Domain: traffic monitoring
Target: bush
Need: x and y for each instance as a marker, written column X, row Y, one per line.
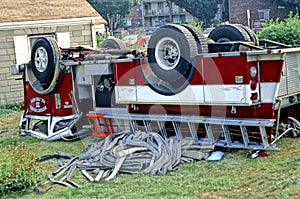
column 198, row 25
column 100, row 39
column 18, row 169
column 286, row 31
column 12, row 106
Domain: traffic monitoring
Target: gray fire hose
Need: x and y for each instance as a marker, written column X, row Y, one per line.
column 125, row 152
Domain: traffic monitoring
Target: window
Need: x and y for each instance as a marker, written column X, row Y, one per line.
column 264, row 14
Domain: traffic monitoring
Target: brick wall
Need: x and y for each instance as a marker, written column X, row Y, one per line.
column 11, row 90
column 238, row 10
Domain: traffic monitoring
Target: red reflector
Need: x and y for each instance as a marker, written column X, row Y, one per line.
column 254, row 96
column 22, row 108
column 253, row 84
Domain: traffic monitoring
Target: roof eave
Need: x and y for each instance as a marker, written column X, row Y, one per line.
column 54, row 22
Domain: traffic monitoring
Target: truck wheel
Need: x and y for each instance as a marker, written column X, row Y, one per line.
column 227, row 33
column 44, row 65
column 250, row 33
column 199, row 38
column 113, row 43
column 43, row 59
column 170, row 51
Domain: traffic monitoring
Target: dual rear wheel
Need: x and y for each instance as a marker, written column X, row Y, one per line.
column 233, row 32
column 171, row 55
column 173, row 48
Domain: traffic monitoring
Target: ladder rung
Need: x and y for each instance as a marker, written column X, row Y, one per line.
column 133, row 125
column 245, row 136
column 209, row 133
column 227, row 135
column 162, row 128
column 264, row 136
column 147, row 125
column 177, row 130
column 193, row 131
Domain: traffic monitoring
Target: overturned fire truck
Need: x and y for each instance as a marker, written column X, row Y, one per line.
column 228, row 90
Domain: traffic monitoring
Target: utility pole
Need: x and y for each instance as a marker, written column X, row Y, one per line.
column 248, row 17
column 143, row 13
column 170, row 12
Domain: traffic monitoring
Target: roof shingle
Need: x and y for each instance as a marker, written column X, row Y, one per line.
column 36, row 10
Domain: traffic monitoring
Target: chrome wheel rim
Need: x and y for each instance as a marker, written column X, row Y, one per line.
column 167, row 53
column 41, row 59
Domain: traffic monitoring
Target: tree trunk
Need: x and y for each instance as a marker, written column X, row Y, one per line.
column 170, row 12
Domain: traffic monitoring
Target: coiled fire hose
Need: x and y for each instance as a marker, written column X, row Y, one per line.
column 124, row 152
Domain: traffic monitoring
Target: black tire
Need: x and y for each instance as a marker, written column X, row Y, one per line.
column 44, row 68
column 251, row 33
column 199, row 37
column 170, row 51
column 43, row 65
column 113, row 43
column 227, row 33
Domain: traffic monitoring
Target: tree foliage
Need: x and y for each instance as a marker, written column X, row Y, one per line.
column 286, row 31
column 295, row 3
column 113, row 11
column 204, row 10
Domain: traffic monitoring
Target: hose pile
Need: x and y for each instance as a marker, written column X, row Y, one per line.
column 127, row 153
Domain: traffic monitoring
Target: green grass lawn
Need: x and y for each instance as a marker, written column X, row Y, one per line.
column 235, row 176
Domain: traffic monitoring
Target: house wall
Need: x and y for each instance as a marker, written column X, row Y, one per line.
column 238, row 10
column 156, row 13
column 11, row 90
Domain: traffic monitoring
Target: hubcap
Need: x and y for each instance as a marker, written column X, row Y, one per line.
column 167, row 53
column 41, row 59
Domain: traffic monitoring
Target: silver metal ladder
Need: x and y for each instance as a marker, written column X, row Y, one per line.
column 217, row 130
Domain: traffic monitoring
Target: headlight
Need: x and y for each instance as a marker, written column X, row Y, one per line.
column 253, row 71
